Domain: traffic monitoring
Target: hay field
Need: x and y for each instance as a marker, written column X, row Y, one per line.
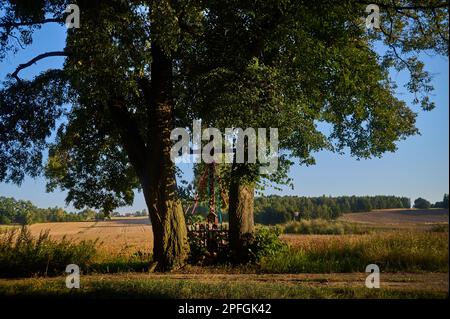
column 118, row 236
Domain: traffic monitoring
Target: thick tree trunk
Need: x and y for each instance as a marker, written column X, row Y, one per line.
column 150, row 156
column 171, row 246
column 241, row 196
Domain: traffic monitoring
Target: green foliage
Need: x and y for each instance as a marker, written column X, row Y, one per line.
column 422, row 203
column 266, row 242
column 198, row 251
column 21, row 255
column 443, row 204
column 266, row 63
column 22, row 212
column 275, row 209
column 323, row 227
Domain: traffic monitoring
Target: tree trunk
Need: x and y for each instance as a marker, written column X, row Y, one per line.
column 171, row 247
column 242, row 226
column 150, row 156
column 170, row 244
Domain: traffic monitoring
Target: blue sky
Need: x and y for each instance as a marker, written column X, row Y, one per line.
column 418, row 168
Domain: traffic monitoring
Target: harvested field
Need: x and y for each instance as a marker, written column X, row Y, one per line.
column 119, row 235
column 399, row 218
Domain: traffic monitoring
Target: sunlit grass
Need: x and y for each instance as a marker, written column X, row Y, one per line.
column 142, row 287
column 391, row 251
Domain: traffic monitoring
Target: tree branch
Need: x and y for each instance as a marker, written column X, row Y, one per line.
column 132, row 141
column 34, row 60
column 28, row 23
column 411, row 7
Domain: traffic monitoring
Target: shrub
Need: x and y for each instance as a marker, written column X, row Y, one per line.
column 266, row 242
column 22, row 255
column 422, row 203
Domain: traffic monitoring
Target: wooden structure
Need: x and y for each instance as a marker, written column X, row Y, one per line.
column 211, row 234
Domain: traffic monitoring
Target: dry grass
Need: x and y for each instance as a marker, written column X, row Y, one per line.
column 125, row 236
column 120, row 236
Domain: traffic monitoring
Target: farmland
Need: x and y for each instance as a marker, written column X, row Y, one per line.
column 403, row 218
column 119, row 235
column 411, row 252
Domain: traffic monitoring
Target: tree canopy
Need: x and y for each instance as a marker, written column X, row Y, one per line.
column 136, row 69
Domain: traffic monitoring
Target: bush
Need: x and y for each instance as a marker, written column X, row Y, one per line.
column 266, row 242
column 422, row 203
column 21, row 255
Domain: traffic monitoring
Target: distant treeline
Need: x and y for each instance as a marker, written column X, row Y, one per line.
column 23, row 212
column 275, row 209
column 443, row 204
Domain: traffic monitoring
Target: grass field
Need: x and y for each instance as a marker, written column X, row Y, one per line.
column 412, row 254
column 184, row 286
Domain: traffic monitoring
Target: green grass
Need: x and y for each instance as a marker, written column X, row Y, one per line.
column 122, row 287
column 324, row 227
column 398, row 251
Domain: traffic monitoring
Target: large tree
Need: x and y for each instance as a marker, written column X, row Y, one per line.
column 294, row 64
column 137, row 68
column 115, row 137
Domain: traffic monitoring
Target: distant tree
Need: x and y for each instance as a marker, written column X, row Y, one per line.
column 442, row 204
column 406, row 202
column 88, row 214
column 422, row 203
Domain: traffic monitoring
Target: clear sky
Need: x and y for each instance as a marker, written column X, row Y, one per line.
column 418, row 168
